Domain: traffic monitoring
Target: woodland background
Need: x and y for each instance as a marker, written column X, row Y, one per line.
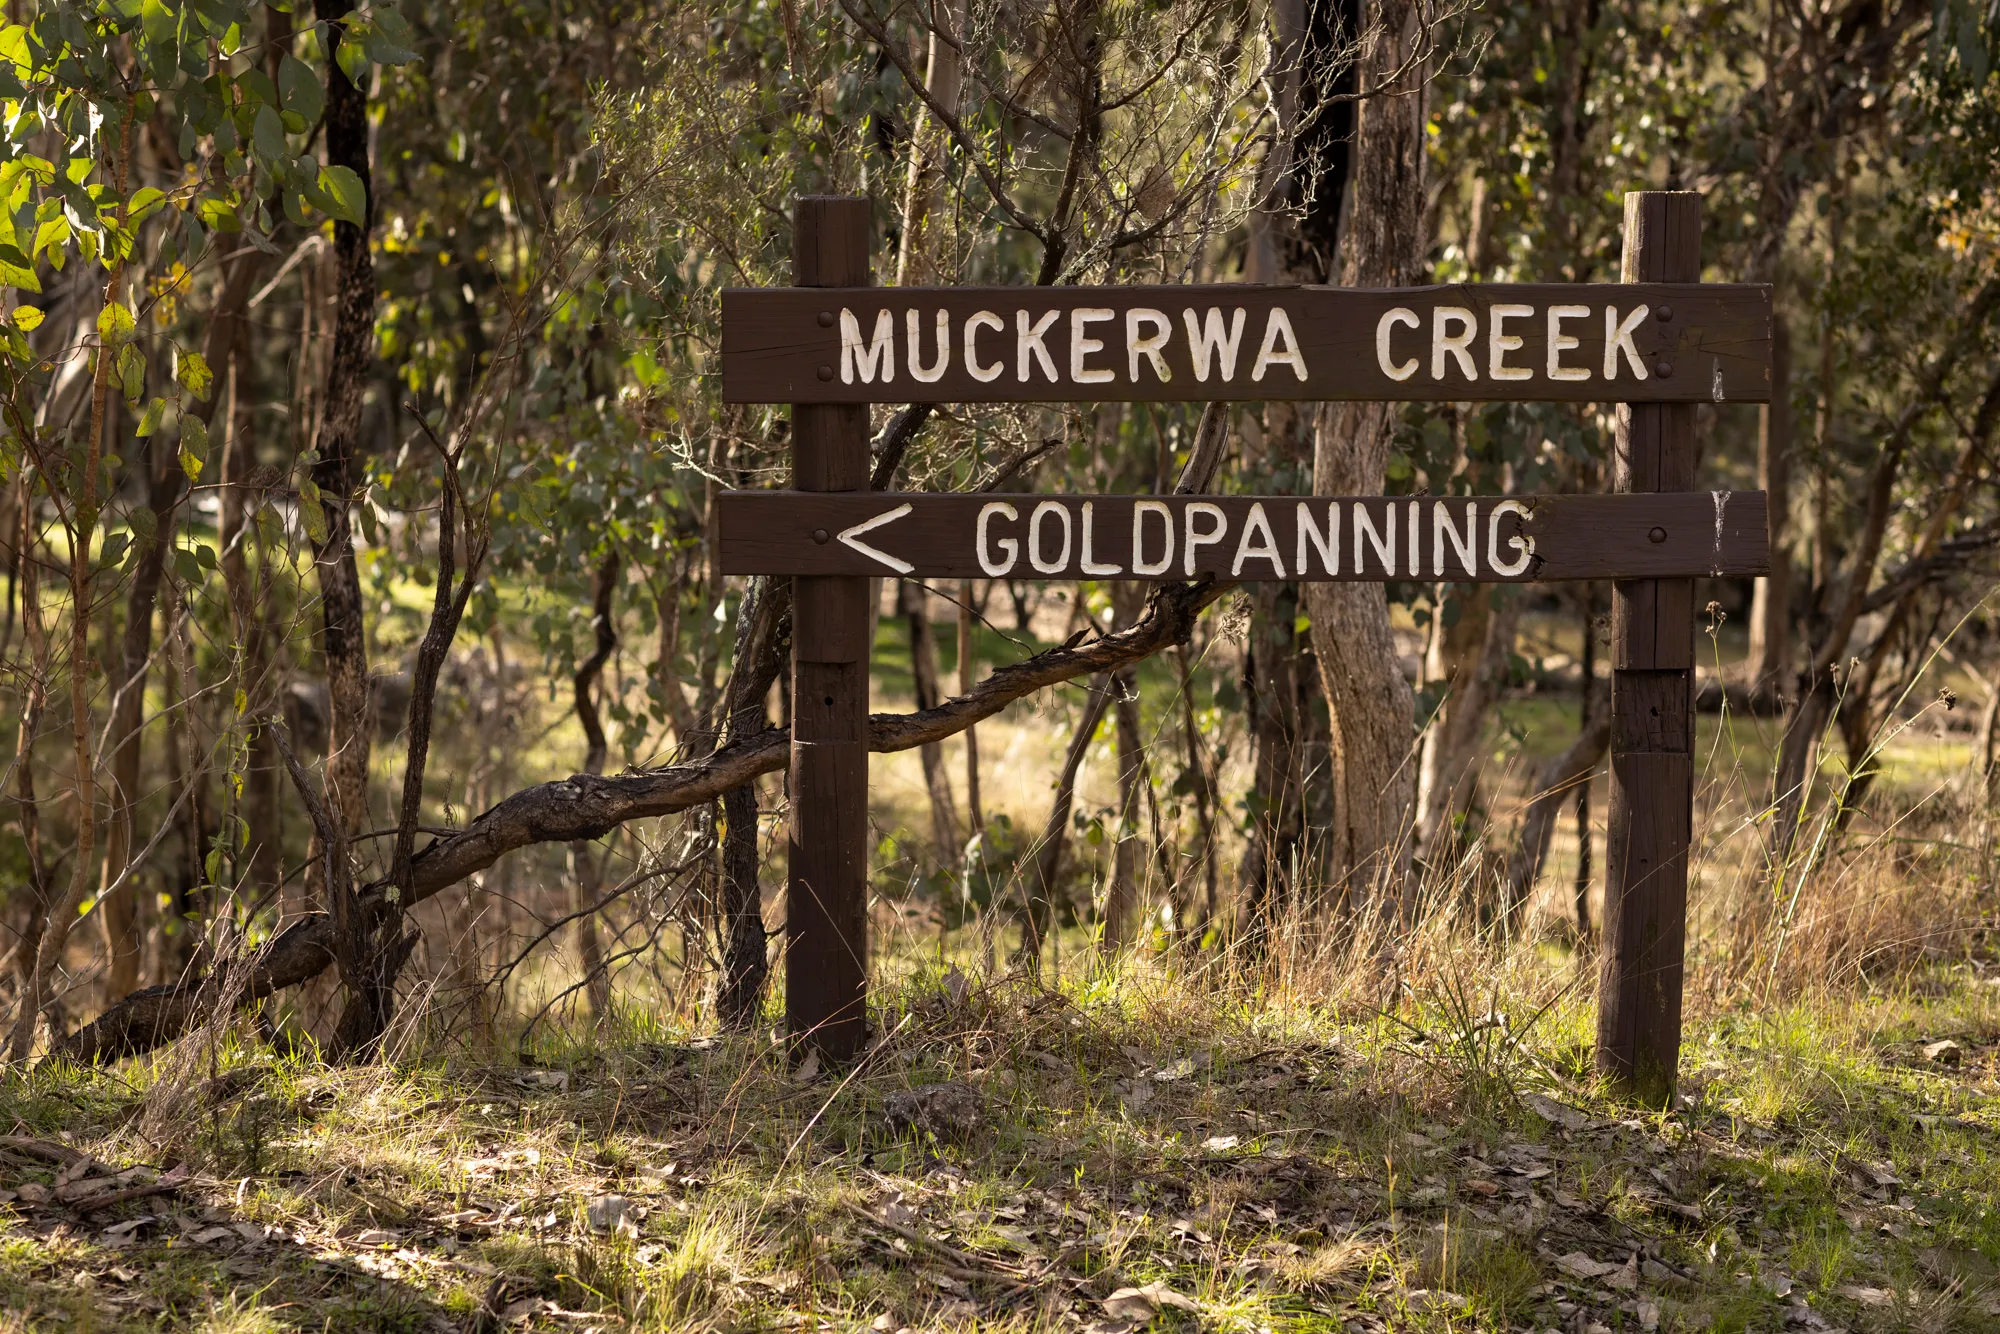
column 363, row 649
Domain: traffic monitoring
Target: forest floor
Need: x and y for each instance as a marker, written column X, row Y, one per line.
column 1114, row 1154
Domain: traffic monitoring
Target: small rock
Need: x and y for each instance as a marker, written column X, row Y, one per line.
column 1943, row 1052
column 611, row 1213
column 1220, row 1143
column 950, row 1112
column 1867, row 1296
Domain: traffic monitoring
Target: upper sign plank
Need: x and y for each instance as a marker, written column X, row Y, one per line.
column 1638, row 342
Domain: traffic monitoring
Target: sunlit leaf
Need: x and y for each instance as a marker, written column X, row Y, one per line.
column 194, row 446
column 27, row 318
column 343, row 195
column 114, row 323
column 311, row 512
column 191, row 369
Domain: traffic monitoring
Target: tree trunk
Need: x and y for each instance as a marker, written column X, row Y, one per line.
column 586, row 870
column 1770, row 605
column 945, row 841
column 1042, row 880
column 1470, row 659
column 967, row 668
column 1372, row 705
column 1538, row 824
column 762, row 628
column 1197, row 771
column 1121, row 897
column 1586, row 706
column 53, row 930
column 916, row 261
column 35, row 694
column 1271, row 692
column 344, row 638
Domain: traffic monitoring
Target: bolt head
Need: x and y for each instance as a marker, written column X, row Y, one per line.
column 1663, row 368
column 826, row 319
column 821, row 536
column 826, row 372
column 1657, row 536
column 1663, row 313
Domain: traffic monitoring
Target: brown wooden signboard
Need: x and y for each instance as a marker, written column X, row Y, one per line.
column 1641, row 342
column 1500, row 539
column 1657, row 343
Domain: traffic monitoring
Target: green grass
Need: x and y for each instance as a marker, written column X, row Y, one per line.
column 1266, row 1166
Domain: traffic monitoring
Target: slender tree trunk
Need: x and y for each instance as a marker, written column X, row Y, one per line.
column 1372, row 704
column 924, row 677
column 1043, row 879
column 967, row 678
column 1770, row 605
column 1121, row 897
column 35, row 694
column 1271, row 689
column 1567, row 770
column 1197, row 769
column 228, row 350
column 916, row 260
column 762, row 627
column 120, row 907
column 586, row 870
column 1586, row 705
column 1471, row 660
column 83, row 515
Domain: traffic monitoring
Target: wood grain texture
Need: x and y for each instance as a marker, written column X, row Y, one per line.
column 1652, row 702
column 826, row 920
column 1651, row 824
column 1483, row 341
column 1255, row 537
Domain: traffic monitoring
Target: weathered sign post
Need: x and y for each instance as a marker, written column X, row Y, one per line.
column 1656, row 344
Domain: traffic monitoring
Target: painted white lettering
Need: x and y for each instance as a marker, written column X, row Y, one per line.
column 1061, row 562
column 1328, row 542
column 1140, row 565
column 1149, row 346
column 1206, row 339
column 1618, row 337
column 1458, row 345
column 1524, row 545
column 1467, row 545
column 1397, row 371
column 1267, row 549
column 1081, row 345
column 1007, row 544
column 1278, row 328
column 985, row 319
column 1560, row 342
column 1385, row 547
column 921, row 373
column 867, row 358
column 1414, row 545
column 1028, row 340
column 1194, row 540
column 1499, row 343
column 1091, row 565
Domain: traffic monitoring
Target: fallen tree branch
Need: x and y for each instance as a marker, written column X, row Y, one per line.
column 586, row 806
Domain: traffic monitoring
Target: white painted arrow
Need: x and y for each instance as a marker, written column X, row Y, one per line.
column 851, row 537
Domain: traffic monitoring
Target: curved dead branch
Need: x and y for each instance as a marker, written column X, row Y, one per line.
column 586, row 806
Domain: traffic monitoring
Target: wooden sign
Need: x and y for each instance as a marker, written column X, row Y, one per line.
column 1488, row 539
column 1660, row 341
column 1638, row 342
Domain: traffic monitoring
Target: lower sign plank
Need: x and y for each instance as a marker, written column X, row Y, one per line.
column 1498, row 539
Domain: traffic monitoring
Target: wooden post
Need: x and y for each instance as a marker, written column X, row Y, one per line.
column 1652, row 703
column 826, row 904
